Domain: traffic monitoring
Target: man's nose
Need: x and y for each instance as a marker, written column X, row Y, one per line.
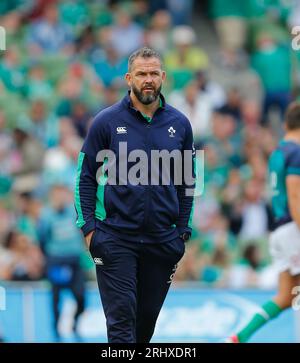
column 149, row 78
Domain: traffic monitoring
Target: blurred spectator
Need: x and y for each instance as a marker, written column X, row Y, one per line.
column 74, row 13
column 158, row 35
column 250, row 113
column 43, row 126
column 230, row 22
column 207, row 207
column 185, row 58
column 196, row 106
column 104, row 36
column 233, row 104
column 270, row 17
column 111, row 68
column 70, row 90
column 224, row 138
column 277, row 85
column 9, row 5
column 214, row 271
column 181, row 11
column 231, row 70
column 245, row 272
column 233, row 190
column 27, row 160
column 140, row 11
column 20, row 259
column 62, row 244
column 27, row 209
column 218, row 236
column 86, row 45
column 268, row 140
column 255, row 214
column 81, row 118
column 216, row 167
column 80, row 83
column 188, row 269
column 110, row 96
column 38, row 8
column 276, row 10
column 37, row 86
column 126, row 36
column 211, row 89
column 12, row 72
column 84, row 72
column 60, row 161
column 156, row 5
column 258, row 167
column 217, row 251
column 49, row 34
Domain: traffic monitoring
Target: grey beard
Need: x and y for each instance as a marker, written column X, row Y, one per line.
column 146, row 99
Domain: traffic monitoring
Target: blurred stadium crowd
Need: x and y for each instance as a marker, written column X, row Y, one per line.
column 230, row 68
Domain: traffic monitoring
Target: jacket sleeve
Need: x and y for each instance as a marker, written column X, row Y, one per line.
column 185, row 191
column 86, row 181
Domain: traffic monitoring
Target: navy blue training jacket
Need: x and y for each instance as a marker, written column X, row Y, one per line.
column 142, row 213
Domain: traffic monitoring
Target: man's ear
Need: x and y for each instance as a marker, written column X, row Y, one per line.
column 128, row 79
column 163, row 76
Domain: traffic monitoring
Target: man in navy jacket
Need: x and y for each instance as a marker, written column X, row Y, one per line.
column 134, row 199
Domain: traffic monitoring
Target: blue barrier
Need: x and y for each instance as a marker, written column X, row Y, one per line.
column 188, row 315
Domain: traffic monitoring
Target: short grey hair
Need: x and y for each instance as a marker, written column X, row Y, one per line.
column 144, row 52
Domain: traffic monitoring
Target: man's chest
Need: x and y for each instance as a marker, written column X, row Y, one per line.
column 154, row 136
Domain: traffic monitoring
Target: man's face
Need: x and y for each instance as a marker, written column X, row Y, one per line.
column 145, row 79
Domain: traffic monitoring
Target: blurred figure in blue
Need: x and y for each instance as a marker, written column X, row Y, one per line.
column 181, row 11
column 63, row 246
column 49, row 34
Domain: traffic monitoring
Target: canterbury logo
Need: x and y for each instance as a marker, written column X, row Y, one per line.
column 121, row 130
column 98, row 261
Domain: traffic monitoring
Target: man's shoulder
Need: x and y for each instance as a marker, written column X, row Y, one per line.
column 107, row 112
column 292, row 154
column 106, row 115
column 286, row 154
column 288, row 148
column 174, row 112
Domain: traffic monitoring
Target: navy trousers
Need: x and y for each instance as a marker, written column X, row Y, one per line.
column 133, row 280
